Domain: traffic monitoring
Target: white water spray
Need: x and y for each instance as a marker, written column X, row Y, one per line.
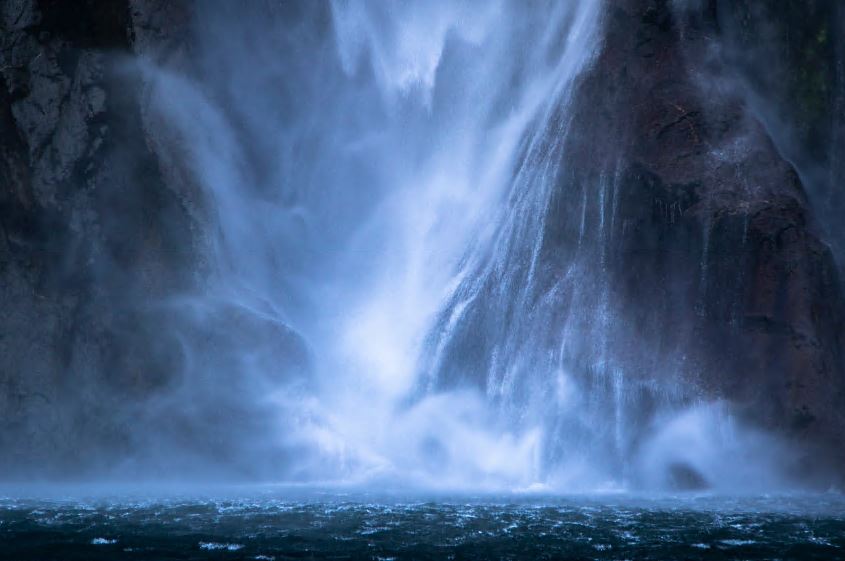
column 376, row 177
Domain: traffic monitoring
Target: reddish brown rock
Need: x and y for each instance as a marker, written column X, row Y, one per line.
column 723, row 277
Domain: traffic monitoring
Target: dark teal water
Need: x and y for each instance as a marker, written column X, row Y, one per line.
column 278, row 525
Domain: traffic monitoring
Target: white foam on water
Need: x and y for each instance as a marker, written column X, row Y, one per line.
column 212, row 546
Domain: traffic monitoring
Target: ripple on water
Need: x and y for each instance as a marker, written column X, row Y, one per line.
column 211, row 546
column 737, row 543
column 276, row 529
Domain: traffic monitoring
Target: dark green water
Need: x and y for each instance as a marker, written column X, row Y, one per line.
column 278, row 525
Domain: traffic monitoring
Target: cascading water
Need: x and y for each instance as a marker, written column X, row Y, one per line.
column 378, row 185
column 468, row 209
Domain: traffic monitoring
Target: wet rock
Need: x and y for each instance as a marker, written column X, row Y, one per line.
column 684, row 477
column 720, row 276
column 98, row 235
column 88, row 229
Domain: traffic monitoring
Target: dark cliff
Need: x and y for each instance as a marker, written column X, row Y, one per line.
column 89, row 228
column 717, row 257
column 790, row 59
column 99, row 229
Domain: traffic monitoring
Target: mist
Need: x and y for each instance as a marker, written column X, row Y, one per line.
column 351, row 176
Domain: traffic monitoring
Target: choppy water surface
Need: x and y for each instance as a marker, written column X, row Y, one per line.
column 280, row 525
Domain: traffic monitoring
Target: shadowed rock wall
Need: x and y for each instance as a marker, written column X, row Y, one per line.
column 89, row 229
column 715, row 258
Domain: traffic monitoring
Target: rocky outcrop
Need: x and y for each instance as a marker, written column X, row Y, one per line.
column 89, row 230
column 101, row 232
column 718, row 269
column 790, row 58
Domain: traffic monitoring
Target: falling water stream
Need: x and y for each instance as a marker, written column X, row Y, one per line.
column 376, row 186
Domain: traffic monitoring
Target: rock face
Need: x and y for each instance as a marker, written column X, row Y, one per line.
column 680, row 261
column 97, row 223
column 790, row 57
column 715, row 260
column 89, row 227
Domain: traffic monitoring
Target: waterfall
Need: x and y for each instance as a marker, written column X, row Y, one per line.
column 488, row 94
column 406, row 279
